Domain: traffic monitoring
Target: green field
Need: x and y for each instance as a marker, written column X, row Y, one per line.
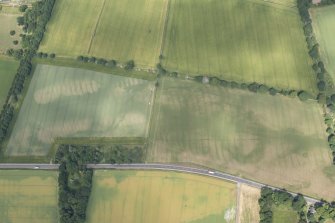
column 282, row 214
column 28, row 196
column 8, row 23
column 324, row 26
column 7, row 72
column 67, row 102
column 275, row 140
column 239, row 40
column 164, row 197
column 113, row 29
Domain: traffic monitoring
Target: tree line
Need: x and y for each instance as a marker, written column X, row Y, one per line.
column 129, row 65
column 75, row 180
column 325, row 83
column 33, row 23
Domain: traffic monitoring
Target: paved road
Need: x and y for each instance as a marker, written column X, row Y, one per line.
column 29, row 166
column 178, row 168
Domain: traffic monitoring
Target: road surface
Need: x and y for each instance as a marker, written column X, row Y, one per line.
column 184, row 169
column 29, row 166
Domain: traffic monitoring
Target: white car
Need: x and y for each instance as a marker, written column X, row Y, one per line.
column 36, row 167
column 210, row 172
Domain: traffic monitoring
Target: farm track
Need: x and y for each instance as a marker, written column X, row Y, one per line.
column 96, row 27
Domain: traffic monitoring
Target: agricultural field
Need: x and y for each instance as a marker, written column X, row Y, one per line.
column 28, row 196
column 7, row 72
column 68, row 102
column 283, row 214
column 111, row 29
column 271, row 139
column 249, row 207
column 8, row 23
column 324, row 27
column 156, row 196
column 239, row 40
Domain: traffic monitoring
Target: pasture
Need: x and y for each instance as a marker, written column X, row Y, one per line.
column 69, row 102
column 111, row 29
column 275, row 140
column 324, row 27
column 239, row 40
column 249, row 207
column 157, row 196
column 28, row 196
column 7, row 73
column 8, row 23
column 282, row 214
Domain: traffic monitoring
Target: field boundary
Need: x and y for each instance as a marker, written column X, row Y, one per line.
column 96, row 27
column 166, row 20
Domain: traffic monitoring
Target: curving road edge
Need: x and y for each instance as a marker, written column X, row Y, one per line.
column 192, row 170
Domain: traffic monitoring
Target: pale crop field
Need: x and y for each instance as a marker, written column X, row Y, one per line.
column 324, row 27
column 157, row 196
column 28, row 196
column 249, row 207
column 8, row 69
column 274, row 140
column 69, row 102
column 239, row 40
column 111, row 29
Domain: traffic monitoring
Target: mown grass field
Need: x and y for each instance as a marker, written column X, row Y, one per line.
column 154, row 196
column 249, row 207
column 113, row 29
column 283, row 214
column 68, row 102
column 28, row 196
column 7, row 73
column 324, row 26
column 239, row 40
column 8, row 23
column 275, row 140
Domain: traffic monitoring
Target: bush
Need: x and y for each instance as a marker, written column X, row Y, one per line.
column 23, row 8
column 52, row 55
column 304, row 96
column 92, row 59
column 321, row 86
column 12, row 32
column 80, row 58
column 273, row 91
column 111, row 63
column 15, row 42
column 129, row 65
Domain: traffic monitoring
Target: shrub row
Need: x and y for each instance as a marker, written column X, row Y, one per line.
column 129, row 65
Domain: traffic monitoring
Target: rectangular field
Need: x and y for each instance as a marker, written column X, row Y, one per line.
column 8, row 23
column 324, row 26
column 68, row 102
column 156, row 196
column 114, row 29
column 28, row 196
column 249, row 207
column 239, row 40
column 275, row 140
column 8, row 69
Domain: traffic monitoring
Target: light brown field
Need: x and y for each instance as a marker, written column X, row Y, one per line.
column 156, row 196
column 28, row 196
column 249, row 208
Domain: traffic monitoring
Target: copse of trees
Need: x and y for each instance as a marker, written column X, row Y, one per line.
column 271, row 198
column 124, row 154
column 75, row 181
